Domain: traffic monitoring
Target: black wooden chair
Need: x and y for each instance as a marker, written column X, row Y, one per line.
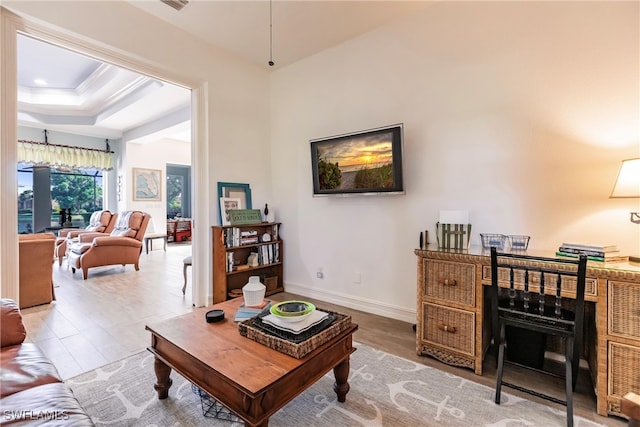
column 533, row 301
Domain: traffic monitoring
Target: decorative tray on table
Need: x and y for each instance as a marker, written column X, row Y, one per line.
column 294, row 344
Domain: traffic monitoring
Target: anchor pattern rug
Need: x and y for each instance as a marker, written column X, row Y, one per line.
column 386, row 390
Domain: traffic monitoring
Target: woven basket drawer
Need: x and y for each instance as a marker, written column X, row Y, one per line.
column 568, row 283
column 624, row 375
column 449, row 327
column 624, row 309
column 450, row 281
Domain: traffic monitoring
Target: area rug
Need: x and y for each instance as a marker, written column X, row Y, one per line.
column 386, row 390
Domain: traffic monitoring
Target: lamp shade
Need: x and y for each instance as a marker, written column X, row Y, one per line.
column 628, row 181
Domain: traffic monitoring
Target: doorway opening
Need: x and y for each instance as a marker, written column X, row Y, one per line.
column 16, row 26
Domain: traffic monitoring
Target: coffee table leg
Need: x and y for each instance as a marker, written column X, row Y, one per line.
column 341, row 386
column 164, row 381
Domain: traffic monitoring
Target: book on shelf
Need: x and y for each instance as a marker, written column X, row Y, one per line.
column 229, row 262
column 248, row 240
column 234, row 237
column 591, row 247
column 603, row 260
column 244, row 313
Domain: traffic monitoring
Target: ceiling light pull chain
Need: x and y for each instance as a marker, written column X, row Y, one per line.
column 271, row 63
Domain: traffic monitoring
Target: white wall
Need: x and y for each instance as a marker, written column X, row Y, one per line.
column 520, row 112
column 153, row 155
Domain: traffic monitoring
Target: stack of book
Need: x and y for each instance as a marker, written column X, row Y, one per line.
column 594, row 252
column 248, row 237
column 245, row 312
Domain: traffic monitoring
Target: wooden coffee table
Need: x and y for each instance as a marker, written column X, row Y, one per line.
column 250, row 379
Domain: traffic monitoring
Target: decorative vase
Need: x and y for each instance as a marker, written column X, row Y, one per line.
column 266, row 213
column 253, row 292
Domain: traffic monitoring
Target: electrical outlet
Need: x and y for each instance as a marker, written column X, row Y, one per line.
column 319, row 273
column 357, row 277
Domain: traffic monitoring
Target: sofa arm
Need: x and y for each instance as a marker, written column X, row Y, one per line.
column 72, row 234
column 12, row 331
column 88, row 236
column 69, row 232
column 117, row 241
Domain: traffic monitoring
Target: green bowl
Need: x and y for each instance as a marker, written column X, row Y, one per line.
column 292, row 308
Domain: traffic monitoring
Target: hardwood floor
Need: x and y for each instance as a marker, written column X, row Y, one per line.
column 101, row 320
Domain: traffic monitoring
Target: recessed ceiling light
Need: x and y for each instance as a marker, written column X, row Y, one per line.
column 40, row 82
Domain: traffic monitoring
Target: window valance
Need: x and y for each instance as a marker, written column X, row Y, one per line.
column 56, row 155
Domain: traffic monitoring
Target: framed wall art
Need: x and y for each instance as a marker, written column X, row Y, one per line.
column 147, row 184
column 234, row 190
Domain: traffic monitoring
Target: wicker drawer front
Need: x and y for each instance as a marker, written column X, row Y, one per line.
column 624, row 309
column 450, row 281
column 449, row 327
column 568, row 283
column 624, row 375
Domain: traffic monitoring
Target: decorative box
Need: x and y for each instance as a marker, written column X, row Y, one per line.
column 453, row 236
column 299, row 345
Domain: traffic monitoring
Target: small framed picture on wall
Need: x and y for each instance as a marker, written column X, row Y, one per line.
column 147, row 184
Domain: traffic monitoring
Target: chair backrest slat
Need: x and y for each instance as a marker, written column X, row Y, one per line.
column 541, row 296
column 558, row 305
column 512, row 290
column 526, row 290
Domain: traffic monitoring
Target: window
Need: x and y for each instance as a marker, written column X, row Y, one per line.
column 79, row 190
column 25, row 198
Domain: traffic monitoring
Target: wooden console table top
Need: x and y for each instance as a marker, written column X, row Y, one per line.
column 248, row 378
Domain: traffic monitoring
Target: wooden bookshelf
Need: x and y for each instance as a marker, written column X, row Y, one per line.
column 232, row 246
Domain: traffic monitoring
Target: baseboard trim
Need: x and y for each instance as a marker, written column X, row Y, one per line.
column 356, row 303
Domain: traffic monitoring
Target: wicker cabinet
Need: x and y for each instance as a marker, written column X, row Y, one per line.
column 232, row 246
column 623, row 346
column 448, row 307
